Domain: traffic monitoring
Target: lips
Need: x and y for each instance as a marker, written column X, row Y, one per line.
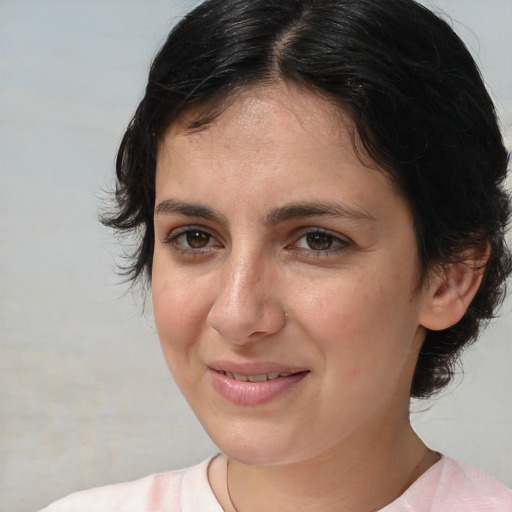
column 254, row 384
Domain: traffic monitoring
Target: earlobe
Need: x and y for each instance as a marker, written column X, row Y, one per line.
column 449, row 293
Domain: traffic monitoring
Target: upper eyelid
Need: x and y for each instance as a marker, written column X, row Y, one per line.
column 316, row 229
column 176, row 231
column 173, row 234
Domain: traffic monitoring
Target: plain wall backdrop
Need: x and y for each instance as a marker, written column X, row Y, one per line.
column 86, row 398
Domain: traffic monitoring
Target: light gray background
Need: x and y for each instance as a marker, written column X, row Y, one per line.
column 86, row 398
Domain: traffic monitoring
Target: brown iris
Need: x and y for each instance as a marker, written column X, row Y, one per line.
column 319, row 241
column 197, row 239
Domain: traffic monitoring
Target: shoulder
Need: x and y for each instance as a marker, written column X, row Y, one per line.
column 468, row 488
column 450, row 486
column 172, row 491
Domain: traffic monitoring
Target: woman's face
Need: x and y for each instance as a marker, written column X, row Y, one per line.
column 283, row 280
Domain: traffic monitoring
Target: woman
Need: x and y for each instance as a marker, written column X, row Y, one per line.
column 318, row 190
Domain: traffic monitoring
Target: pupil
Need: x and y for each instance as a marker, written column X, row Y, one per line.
column 319, row 241
column 197, row 239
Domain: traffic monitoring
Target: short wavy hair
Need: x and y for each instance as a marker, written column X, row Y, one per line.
column 414, row 93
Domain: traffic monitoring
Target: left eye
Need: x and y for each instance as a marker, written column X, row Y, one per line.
column 319, row 241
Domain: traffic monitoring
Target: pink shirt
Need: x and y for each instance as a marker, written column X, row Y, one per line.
column 448, row 486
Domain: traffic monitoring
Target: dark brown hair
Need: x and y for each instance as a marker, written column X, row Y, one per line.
column 414, row 93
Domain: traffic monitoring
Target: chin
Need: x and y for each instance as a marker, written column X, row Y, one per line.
column 261, row 451
column 254, row 449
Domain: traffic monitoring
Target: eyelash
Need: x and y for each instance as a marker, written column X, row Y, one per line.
column 172, row 240
column 341, row 244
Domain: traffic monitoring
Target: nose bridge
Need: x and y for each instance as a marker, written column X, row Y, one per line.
column 245, row 307
column 245, row 276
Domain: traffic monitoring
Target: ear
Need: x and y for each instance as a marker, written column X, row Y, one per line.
column 449, row 293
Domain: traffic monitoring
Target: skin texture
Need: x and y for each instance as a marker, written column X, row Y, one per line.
column 254, row 290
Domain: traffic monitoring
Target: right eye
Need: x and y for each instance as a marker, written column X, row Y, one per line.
column 190, row 239
column 194, row 239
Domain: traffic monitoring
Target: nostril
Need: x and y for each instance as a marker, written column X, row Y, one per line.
column 249, row 326
column 244, row 309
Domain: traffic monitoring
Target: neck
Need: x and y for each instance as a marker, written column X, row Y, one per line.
column 339, row 480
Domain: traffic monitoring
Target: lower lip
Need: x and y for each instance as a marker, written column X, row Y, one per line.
column 253, row 393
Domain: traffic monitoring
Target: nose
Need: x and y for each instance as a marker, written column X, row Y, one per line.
column 246, row 308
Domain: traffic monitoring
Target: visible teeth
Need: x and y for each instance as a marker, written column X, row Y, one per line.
column 258, row 378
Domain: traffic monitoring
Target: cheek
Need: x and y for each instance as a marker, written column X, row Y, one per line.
column 364, row 335
column 180, row 304
column 360, row 323
column 341, row 305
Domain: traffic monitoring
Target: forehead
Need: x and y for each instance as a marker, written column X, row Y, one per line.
column 299, row 114
column 280, row 134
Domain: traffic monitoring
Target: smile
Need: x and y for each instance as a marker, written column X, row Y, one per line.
column 256, row 378
column 246, row 388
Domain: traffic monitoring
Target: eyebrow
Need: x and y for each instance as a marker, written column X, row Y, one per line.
column 316, row 209
column 171, row 206
column 275, row 216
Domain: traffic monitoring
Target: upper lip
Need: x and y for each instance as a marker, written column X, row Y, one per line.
column 254, row 368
